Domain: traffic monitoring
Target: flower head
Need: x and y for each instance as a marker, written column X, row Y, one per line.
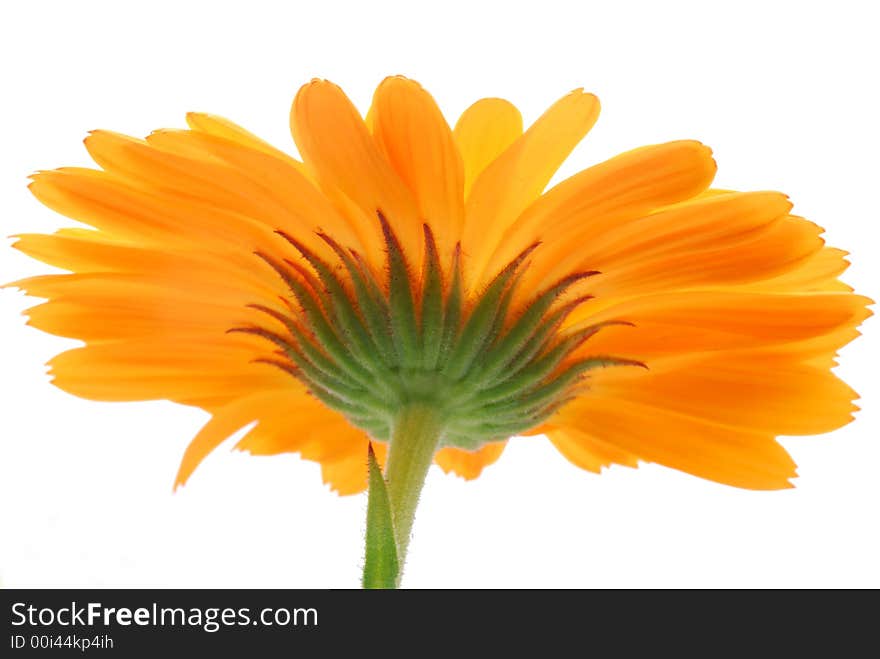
column 630, row 313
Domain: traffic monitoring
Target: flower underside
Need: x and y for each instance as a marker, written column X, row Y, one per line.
column 370, row 349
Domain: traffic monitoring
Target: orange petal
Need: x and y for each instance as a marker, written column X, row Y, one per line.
column 516, row 178
column 685, row 228
column 236, row 415
column 585, row 206
column 414, row 136
column 818, row 272
column 779, row 247
column 336, row 146
column 137, row 161
column 91, row 252
column 114, row 312
column 162, row 367
column 211, row 124
column 724, row 454
column 348, row 475
column 698, row 321
column 95, row 285
column 468, row 464
column 280, row 178
column 482, row 134
column 127, row 213
column 179, row 181
column 586, row 451
column 754, row 391
column 317, row 434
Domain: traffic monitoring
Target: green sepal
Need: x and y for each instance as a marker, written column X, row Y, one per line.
column 477, row 327
column 487, row 347
column 376, row 293
column 323, row 331
column 452, row 310
column 432, row 304
column 540, row 340
column 350, row 322
column 303, row 344
column 353, row 399
column 518, row 335
column 548, row 391
column 535, row 396
column 370, row 301
column 520, row 382
column 381, row 565
column 404, row 326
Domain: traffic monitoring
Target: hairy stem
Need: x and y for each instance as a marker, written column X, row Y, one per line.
column 414, row 439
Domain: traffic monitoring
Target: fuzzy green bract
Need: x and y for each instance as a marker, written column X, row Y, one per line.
column 381, row 563
column 370, row 348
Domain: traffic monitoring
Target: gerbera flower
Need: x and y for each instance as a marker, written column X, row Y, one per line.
column 417, row 287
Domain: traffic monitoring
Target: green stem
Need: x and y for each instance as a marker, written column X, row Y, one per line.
column 414, row 440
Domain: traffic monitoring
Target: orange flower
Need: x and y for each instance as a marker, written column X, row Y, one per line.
column 630, row 313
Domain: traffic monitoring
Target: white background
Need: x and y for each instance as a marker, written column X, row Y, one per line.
column 785, row 93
